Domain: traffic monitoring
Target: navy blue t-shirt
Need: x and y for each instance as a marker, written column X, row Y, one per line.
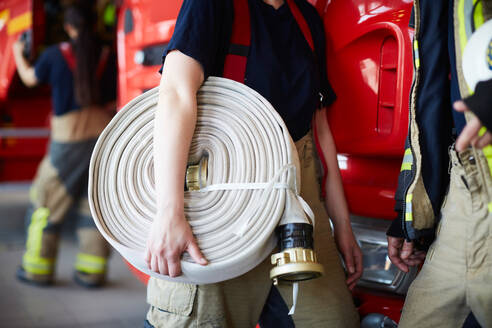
column 281, row 65
column 52, row 68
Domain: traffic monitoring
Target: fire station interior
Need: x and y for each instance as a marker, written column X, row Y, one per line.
column 139, row 33
column 24, row 128
column 369, row 64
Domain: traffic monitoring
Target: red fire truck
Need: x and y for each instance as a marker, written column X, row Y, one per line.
column 23, row 112
column 369, row 62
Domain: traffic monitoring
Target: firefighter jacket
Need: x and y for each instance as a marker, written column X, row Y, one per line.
column 442, row 29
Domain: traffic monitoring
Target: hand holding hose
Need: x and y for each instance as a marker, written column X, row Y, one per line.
column 169, row 237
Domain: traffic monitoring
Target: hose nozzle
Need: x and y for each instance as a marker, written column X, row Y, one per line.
column 296, row 260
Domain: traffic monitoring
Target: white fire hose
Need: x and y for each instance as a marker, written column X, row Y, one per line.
column 251, row 185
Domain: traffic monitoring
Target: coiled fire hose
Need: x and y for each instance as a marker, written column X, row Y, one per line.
column 242, row 181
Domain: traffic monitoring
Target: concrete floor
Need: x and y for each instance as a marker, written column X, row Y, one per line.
column 121, row 303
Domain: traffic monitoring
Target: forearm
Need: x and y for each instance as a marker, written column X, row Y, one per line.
column 26, row 72
column 174, row 125
column 335, row 202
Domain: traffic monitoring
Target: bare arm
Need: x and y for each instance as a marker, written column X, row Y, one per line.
column 174, row 125
column 26, row 72
column 336, row 205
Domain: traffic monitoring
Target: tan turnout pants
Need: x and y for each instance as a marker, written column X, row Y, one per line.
column 322, row 302
column 60, row 185
column 456, row 277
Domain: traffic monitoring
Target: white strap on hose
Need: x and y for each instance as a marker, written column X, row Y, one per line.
column 295, row 292
column 250, row 156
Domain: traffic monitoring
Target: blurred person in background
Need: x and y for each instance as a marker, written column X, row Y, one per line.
column 82, row 77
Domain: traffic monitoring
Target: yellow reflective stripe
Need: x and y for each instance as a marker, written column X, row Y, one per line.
column 408, row 208
column 461, row 24
column 37, row 264
column 465, row 8
column 93, row 269
column 490, row 207
column 478, row 14
column 90, row 263
column 482, row 131
column 408, row 217
column 39, row 220
column 406, row 167
column 407, row 160
column 19, row 23
column 487, row 151
column 416, row 56
column 32, row 260
column 91, row 258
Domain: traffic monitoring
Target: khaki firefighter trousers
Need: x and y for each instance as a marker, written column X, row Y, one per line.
column 60, row 187
column 456, row 277
column 322, row 302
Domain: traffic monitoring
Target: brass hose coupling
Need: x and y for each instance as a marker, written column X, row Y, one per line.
column 296, row 260
column 196, row 175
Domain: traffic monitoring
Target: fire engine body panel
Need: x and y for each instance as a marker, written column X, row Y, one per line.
column 24, row 112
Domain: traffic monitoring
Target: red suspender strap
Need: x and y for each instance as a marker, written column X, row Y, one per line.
column 236, row 59
column 67, row 53
column 301, row 21
column 66, row 50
